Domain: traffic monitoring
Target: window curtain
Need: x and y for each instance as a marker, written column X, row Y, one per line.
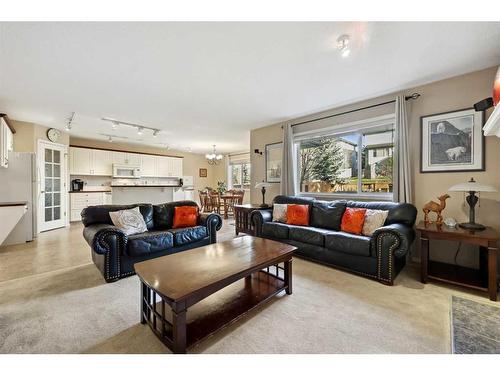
column 402, row 168
column 288, row 162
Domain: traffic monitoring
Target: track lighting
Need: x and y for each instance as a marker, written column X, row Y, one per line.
column 69, row 125
column 343, row 45
column 140, row 128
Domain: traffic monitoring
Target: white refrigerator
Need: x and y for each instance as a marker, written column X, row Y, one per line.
column 18, row 183
column 186, row 191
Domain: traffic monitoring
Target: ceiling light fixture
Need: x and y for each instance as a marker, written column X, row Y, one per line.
column 140, row 128
column 214, row 158
column 112, row 137
column 343, row 45
column 69, row 125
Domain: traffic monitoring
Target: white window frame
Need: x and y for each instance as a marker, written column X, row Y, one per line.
column 230, row 176
column 339, row 130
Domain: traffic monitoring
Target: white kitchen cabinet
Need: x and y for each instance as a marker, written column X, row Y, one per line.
column 119, row 157
column 177, row 167
column 107, row 198
column 80, row 161
column 169, row 167
column 6, row 143
column 102, row 163
column 81, row 200
column 149, row 165
column 86, row 161
column 164, row 167
column 126, row 158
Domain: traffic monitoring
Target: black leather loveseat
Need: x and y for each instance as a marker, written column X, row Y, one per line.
column 115, row 253
column 380, row 256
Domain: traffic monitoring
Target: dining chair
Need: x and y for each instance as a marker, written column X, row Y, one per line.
column 215, row 202
column 204, row 201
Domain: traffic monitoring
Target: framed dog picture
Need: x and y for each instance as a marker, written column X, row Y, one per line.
column 452, row 142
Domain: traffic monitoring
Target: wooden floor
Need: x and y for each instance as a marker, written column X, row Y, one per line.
column 59, row 249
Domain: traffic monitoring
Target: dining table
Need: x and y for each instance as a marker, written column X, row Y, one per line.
column 226, row 200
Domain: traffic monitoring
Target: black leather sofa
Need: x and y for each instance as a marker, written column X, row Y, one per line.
column 114, row 253
column 380, row 256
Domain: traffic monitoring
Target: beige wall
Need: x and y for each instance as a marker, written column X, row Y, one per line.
column 27, row 136
column 258, row 140
column 447, row 95
column 191, row 163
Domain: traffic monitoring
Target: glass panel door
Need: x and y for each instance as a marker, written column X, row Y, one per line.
column 51, row 186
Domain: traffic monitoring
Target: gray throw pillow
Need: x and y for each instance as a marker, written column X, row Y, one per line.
column 129, row 221
column 279, row 212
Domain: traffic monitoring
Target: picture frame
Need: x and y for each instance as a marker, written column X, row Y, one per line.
column 452, row 142
column 273, row 158
column 203, row 172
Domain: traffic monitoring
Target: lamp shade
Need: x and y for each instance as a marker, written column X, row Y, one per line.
column 262, row 184
column 472, row 185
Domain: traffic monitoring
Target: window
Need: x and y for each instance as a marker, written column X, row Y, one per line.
column 239, row 176
column 358, row 162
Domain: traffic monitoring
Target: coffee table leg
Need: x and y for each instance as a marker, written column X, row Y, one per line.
column 288, row 276
column 179, row 329
column 144, row 293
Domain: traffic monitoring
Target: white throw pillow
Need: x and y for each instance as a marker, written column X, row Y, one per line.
column 279, row 212
column 374, row 219
column 129, row 221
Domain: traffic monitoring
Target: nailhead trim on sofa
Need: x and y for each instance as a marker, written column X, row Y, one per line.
column 391, row 255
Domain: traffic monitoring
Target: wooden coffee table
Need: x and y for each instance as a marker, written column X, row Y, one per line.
column 209, row 287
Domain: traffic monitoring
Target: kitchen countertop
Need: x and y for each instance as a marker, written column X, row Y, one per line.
column 91, row 191
column 10, row 204
column 121, row 186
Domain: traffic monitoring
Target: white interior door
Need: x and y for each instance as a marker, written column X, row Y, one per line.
column 52, row 164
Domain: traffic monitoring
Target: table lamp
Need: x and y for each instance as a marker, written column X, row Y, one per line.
column 263, row 186
column 472, row 187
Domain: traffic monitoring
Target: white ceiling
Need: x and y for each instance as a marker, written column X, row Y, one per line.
column 210, row 83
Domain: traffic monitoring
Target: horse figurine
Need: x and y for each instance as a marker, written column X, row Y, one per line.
column 435, row 207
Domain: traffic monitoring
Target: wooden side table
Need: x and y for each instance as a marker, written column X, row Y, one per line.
column 484, row 279
column 242, row 220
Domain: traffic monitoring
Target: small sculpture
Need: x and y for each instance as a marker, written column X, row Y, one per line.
column 437, row 208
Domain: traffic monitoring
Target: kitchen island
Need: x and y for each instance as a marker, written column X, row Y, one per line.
column 154, row 194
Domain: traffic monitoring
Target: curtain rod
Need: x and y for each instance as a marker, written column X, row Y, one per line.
column 415, row 95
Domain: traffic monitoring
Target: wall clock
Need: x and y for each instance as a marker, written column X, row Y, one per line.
column 53, row 134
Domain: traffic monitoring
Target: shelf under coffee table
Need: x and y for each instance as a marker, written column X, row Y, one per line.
column 220, row 284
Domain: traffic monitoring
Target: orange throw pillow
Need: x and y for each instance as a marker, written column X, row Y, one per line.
column 353, row 220
column 185, row 216
column 297, row 214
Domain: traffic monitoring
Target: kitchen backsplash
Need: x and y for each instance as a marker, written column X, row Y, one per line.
column 92, row 182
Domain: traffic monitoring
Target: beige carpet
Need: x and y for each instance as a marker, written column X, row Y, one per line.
column 74, row 311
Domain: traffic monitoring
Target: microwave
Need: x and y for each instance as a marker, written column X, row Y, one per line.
column 126, row 171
